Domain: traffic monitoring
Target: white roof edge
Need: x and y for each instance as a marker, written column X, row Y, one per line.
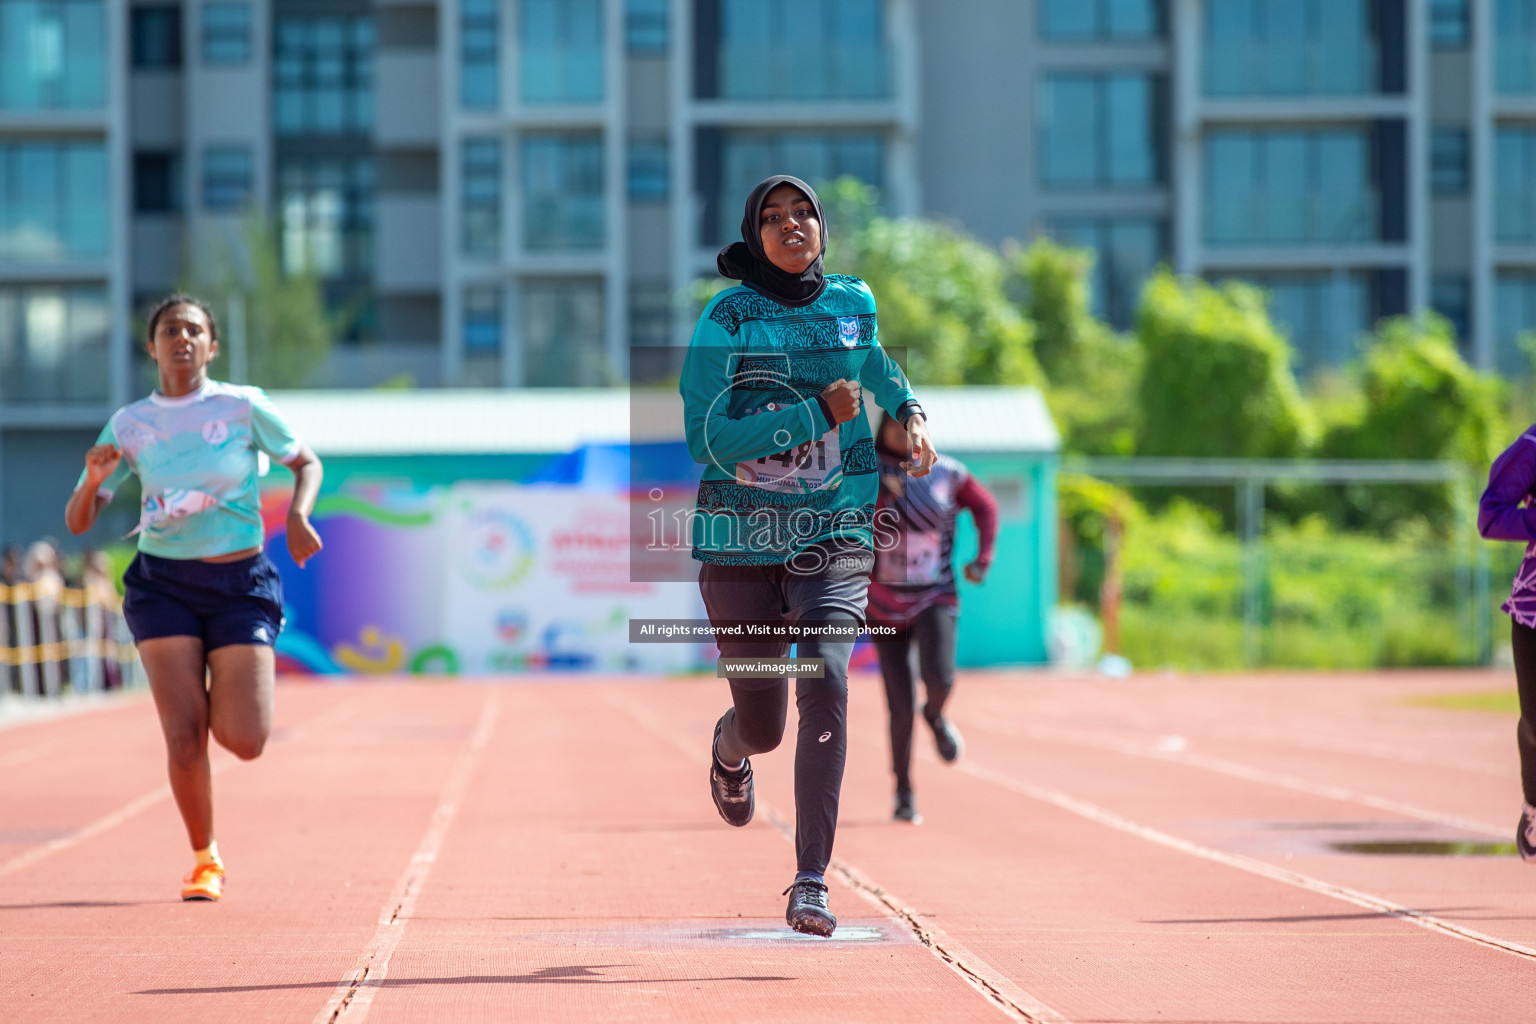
column 553, row 420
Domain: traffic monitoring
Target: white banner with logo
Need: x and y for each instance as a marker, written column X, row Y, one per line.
column 538, row 578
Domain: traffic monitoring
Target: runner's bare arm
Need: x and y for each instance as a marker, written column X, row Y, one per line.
column 85, row 504
column 923, row 454
column 303, row 540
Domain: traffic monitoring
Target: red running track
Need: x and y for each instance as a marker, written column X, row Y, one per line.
column 1154, row 849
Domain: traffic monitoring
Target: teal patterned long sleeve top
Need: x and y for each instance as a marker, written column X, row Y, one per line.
column 778, row 475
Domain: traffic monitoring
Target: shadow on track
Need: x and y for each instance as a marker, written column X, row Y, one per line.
column 78, row 904
column 1372, row 915
column 573, row 975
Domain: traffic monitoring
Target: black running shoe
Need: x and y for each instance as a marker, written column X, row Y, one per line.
column 906, row 808
column 732, row 790
column 945, row 736
column 807, row 911
column 1525, row 835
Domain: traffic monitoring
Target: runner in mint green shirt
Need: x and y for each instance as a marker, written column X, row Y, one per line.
column 204, row 603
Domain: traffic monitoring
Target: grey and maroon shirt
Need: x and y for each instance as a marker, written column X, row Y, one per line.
column 920, row 572
column 1504, row 513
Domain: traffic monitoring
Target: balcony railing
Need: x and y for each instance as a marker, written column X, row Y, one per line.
column 567, row 223
column 1235, row 69
column 829, row 73
column 562, row 76
column 1260, row 220
column 1516, row 220
column 1515, row 59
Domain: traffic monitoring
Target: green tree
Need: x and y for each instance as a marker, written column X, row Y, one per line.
column 287, row 328
column 1092, row 371
column 1417, row 399
column 940, row 292
column 1216, row 378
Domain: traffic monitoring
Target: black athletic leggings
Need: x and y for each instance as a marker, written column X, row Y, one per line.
column 934, row 631
column 755, row 725
column 1523, row 641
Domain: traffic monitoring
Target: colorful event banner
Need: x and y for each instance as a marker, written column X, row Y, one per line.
column 474, row 579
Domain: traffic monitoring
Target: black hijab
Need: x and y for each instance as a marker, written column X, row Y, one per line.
column 745, row 261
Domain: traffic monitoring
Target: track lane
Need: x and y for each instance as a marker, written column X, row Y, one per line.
column 314, row 834
column 588, row 878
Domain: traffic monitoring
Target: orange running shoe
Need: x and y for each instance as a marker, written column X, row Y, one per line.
column 206, row 882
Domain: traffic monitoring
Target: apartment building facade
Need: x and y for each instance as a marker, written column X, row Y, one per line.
column 521, row 192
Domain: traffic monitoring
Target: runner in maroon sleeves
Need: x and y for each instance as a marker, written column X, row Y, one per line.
column 914, row 590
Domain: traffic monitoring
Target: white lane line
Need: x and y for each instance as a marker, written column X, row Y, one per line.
column 29, row 857
column 1097, row 814
column 1216, row 729
column 991, row 984
column 1248, row 773
column 996, row 988
column 354, row 994
column 25, row 754
column 221, row 764
column 17, row 711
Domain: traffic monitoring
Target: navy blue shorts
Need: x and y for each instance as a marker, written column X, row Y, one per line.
column 221, row 603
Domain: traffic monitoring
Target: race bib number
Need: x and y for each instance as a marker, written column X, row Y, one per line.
column 916, row 561
column 173, row 504
column 813, row 466
column 923, row 563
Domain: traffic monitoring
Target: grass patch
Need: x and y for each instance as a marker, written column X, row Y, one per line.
column 1326, row 599
column 1497, row 702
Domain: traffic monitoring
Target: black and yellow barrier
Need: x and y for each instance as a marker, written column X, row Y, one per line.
column 55, row 639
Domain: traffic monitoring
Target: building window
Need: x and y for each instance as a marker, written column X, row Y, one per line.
column 1291, row 48
column 649, row 171
column 1100, row 131
column 327, row 215
column 1514, row 35
column 53, row 202
column 227, row 177
column 563, row 342
column 1289, row 187
column 482, row 320
column 1515, row 316
column 1126, row 251
column 226, row 33
column 1321, row 315
column 1081, row 20
column 1515, row 311
column 1450, row 26
column 482, row 336
column 733, row 162
column 838, row 49
column 1450, row 295
column 1515, row 185
column 562, row 192
column 1449, row 166
column 650, row 313
column 323, row 76
column 156, row 36
column 54, row 345
column 482, row 197
column 479, row 54
column 561, row 54
column 157, row 182
column 645, row 26
column 52, row 54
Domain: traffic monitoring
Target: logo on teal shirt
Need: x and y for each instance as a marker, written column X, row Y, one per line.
column 848, row 330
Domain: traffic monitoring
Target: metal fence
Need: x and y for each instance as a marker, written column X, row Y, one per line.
column 1250, row 477
column 63, row 639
